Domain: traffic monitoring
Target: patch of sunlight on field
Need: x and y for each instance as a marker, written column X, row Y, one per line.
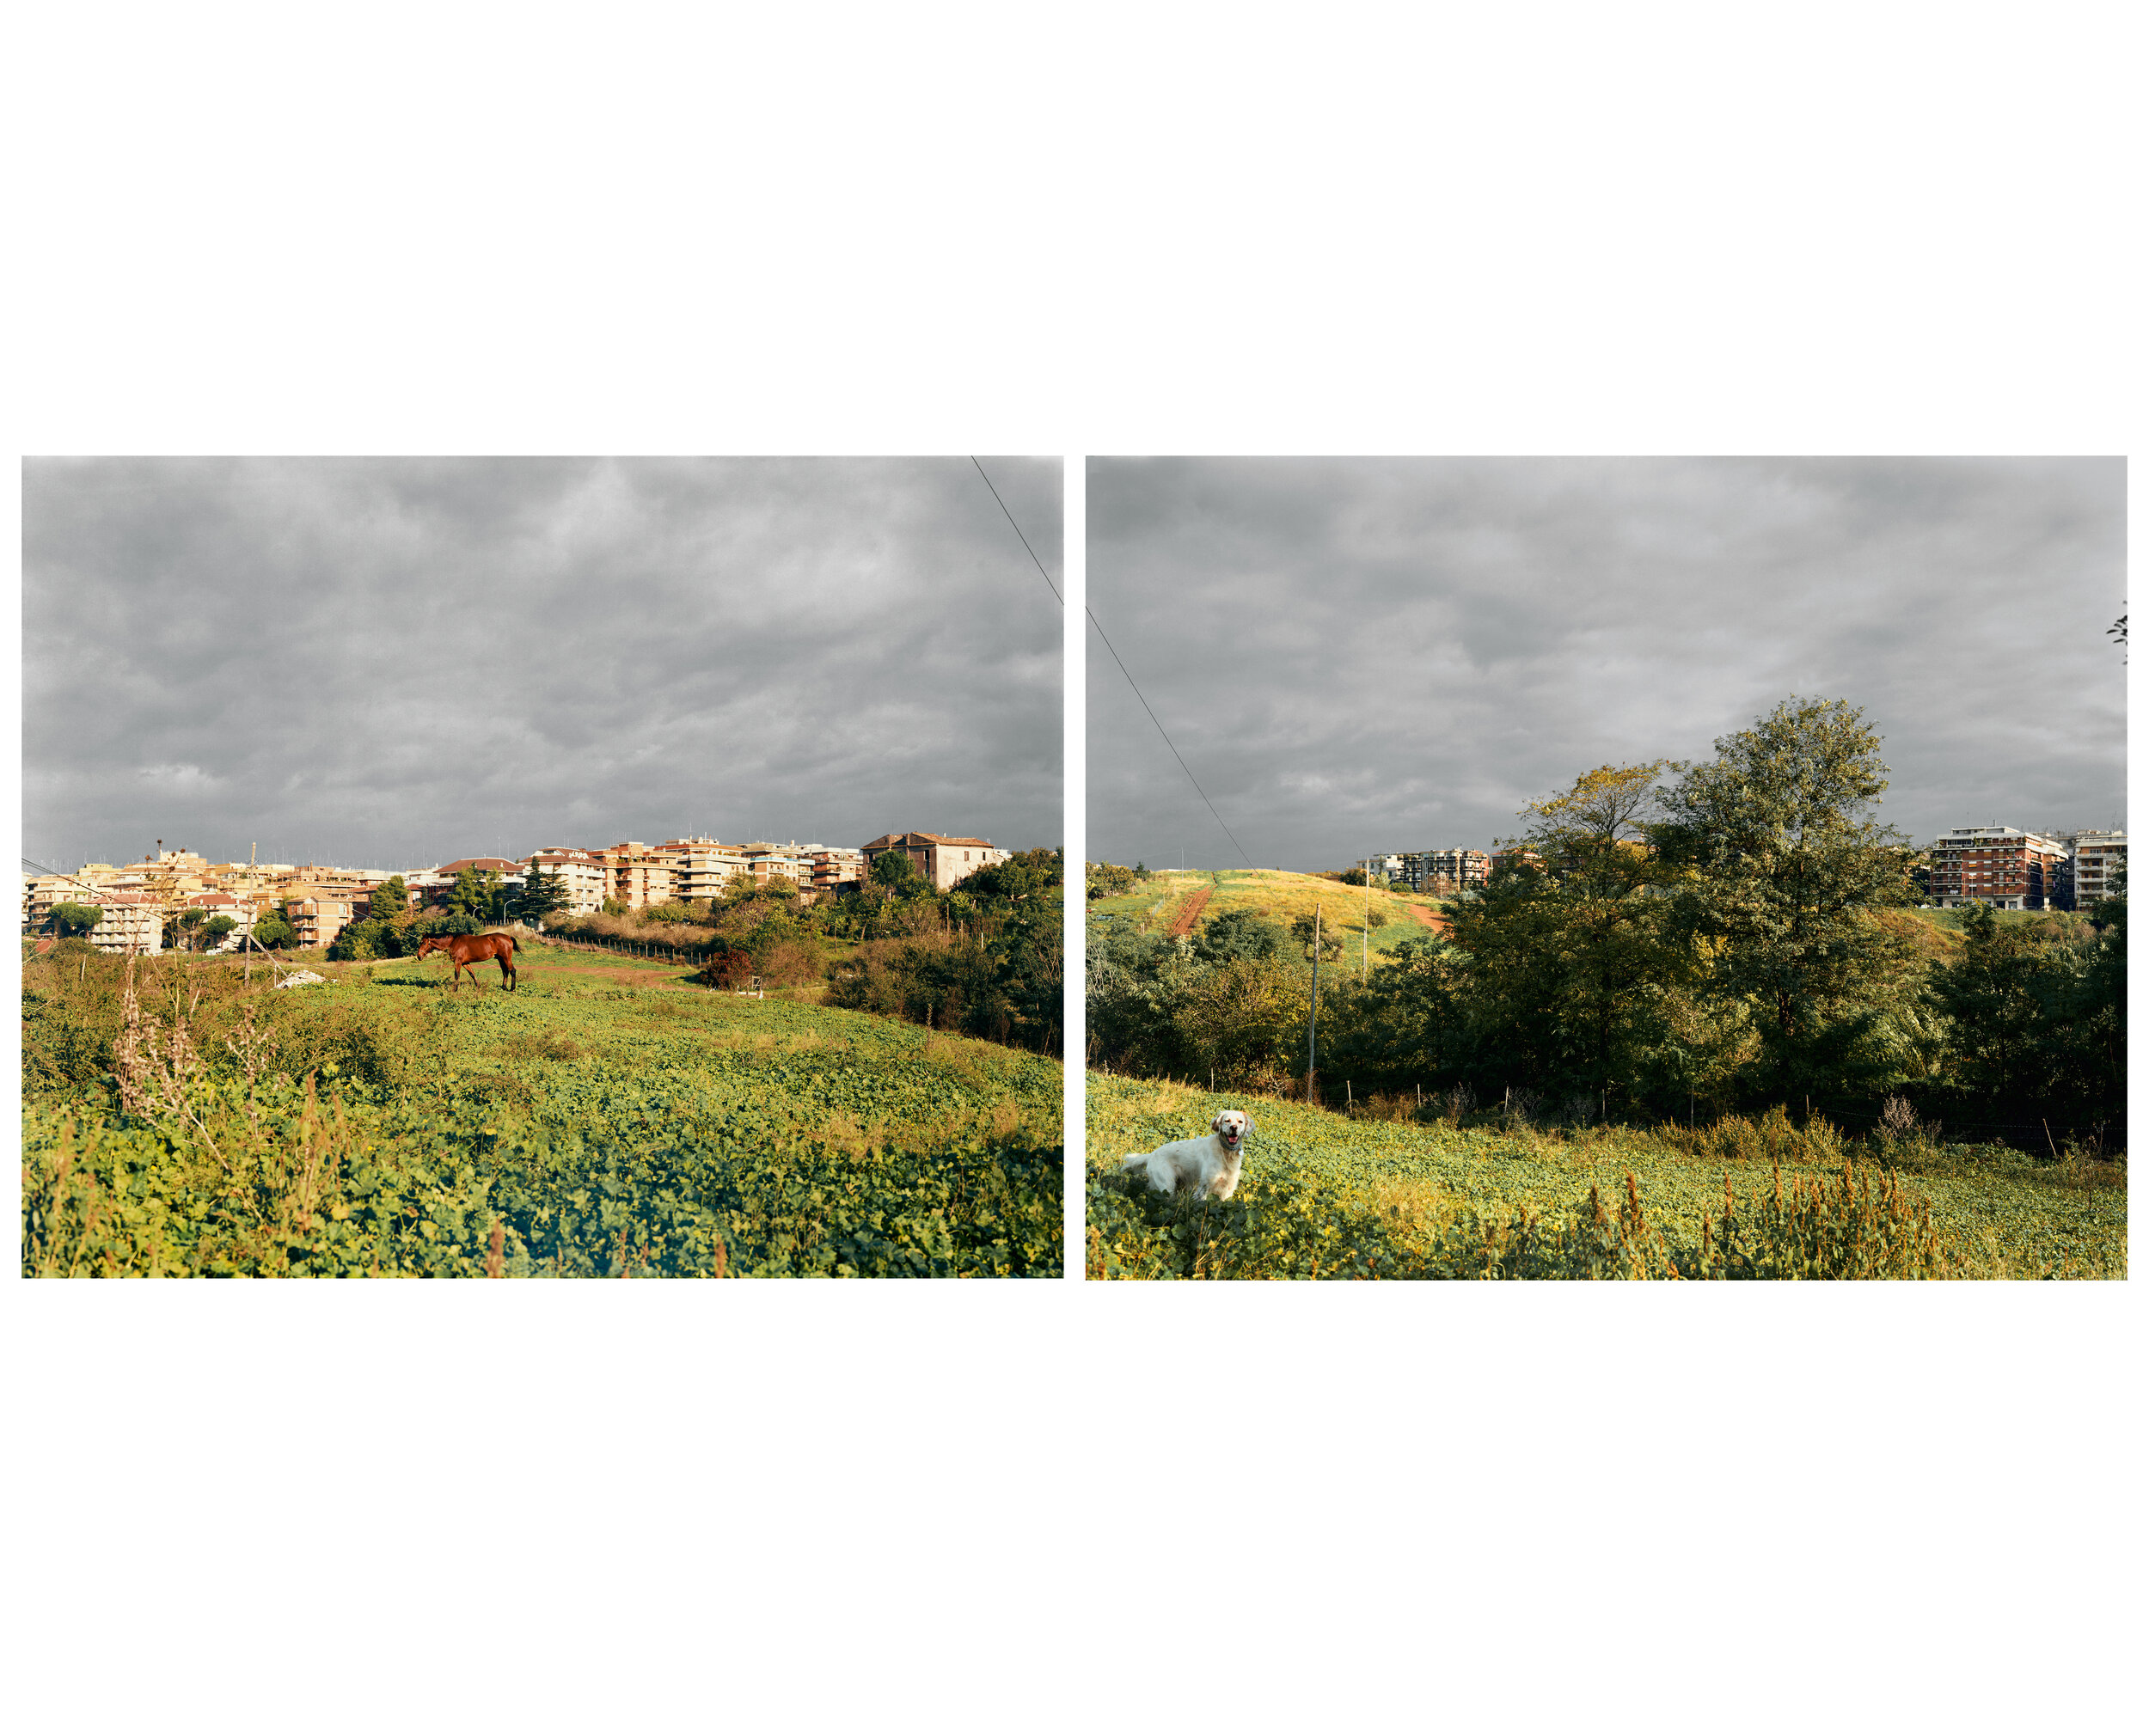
column 1277, row 898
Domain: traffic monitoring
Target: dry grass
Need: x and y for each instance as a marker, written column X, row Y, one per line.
column 1281, row 898
column 1411, row 1206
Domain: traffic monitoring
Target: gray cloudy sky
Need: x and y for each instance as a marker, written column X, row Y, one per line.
column 392, row 663
column 1357, row 655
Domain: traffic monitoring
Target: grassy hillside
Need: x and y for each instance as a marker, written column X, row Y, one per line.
column 1328, row 1196
column 607, row 1118
column 1277, row 897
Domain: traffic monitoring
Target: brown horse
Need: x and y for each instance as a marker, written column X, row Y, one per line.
column 468, row 952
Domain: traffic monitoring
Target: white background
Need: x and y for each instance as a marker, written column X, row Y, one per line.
column 1112, row 229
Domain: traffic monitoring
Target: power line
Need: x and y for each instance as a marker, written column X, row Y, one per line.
column 1176, row 755
column 1101, row 633
column 1026, row 549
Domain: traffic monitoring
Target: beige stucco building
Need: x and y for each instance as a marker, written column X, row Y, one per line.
column 941, row 859
column 583, row 875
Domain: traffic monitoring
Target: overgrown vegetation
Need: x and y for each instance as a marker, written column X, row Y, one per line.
column 1664, row 942
column 1447, row 1189
column 986, row 958
column 179, row 1122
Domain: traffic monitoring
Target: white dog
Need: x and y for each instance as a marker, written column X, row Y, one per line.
column 1208, row 1165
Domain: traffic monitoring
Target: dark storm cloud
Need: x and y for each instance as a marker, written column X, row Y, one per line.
column 390, row 662
column 1361, row 654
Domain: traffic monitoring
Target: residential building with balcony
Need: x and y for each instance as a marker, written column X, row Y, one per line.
column 1443, row 872
column 132, row 921
column 702, row 867
column 319, row 919
column 641, row 877
column 584, row 875
column 767, row 862
column 2000, row 865
column 2095, row 860
column 835, row 868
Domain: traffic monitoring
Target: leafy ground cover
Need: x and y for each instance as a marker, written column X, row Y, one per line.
column 607, row 1119
column 1338, row 1196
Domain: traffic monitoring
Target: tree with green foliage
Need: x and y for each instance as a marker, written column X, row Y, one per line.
column 541, row 895
column 2036, row 1015
column 214, row 930
column 1777, row 863
column 894, row 870
column 1237, row 934
column 1302, row 929
column 481, row 894
column 274, row 930
column 1107, row 880
column 467, row 894
column 1030, row 874
column 69, row 919
column 390, row 899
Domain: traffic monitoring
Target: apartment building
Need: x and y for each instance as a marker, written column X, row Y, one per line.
column 767, row 862
column 42, row 892
column 835, row 868
column 641, row 877
column 702, row 867
column 318, row 917
column 584, row 875
column 132, row 921
column 941, row 859
column 242, row 913
column 2000, row 865
column 1444, row 872
column 2096, row 859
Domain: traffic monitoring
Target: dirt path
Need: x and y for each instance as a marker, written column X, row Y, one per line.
column 1189, row 912
column 1431, row 919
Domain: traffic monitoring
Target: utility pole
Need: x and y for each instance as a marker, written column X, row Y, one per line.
column 1313, row 1007
column 252, row 911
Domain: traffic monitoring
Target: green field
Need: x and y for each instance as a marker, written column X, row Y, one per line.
column 608, row 1118
column 1330, row 1195
column 1277, row 898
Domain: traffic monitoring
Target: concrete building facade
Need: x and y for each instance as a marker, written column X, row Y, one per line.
column 132, row 922
column 941, row 859
column 2000, row 865
column 583, row 875
column 641, row 877
column 702, row 867
column 2095, row 860
column 836, row 868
